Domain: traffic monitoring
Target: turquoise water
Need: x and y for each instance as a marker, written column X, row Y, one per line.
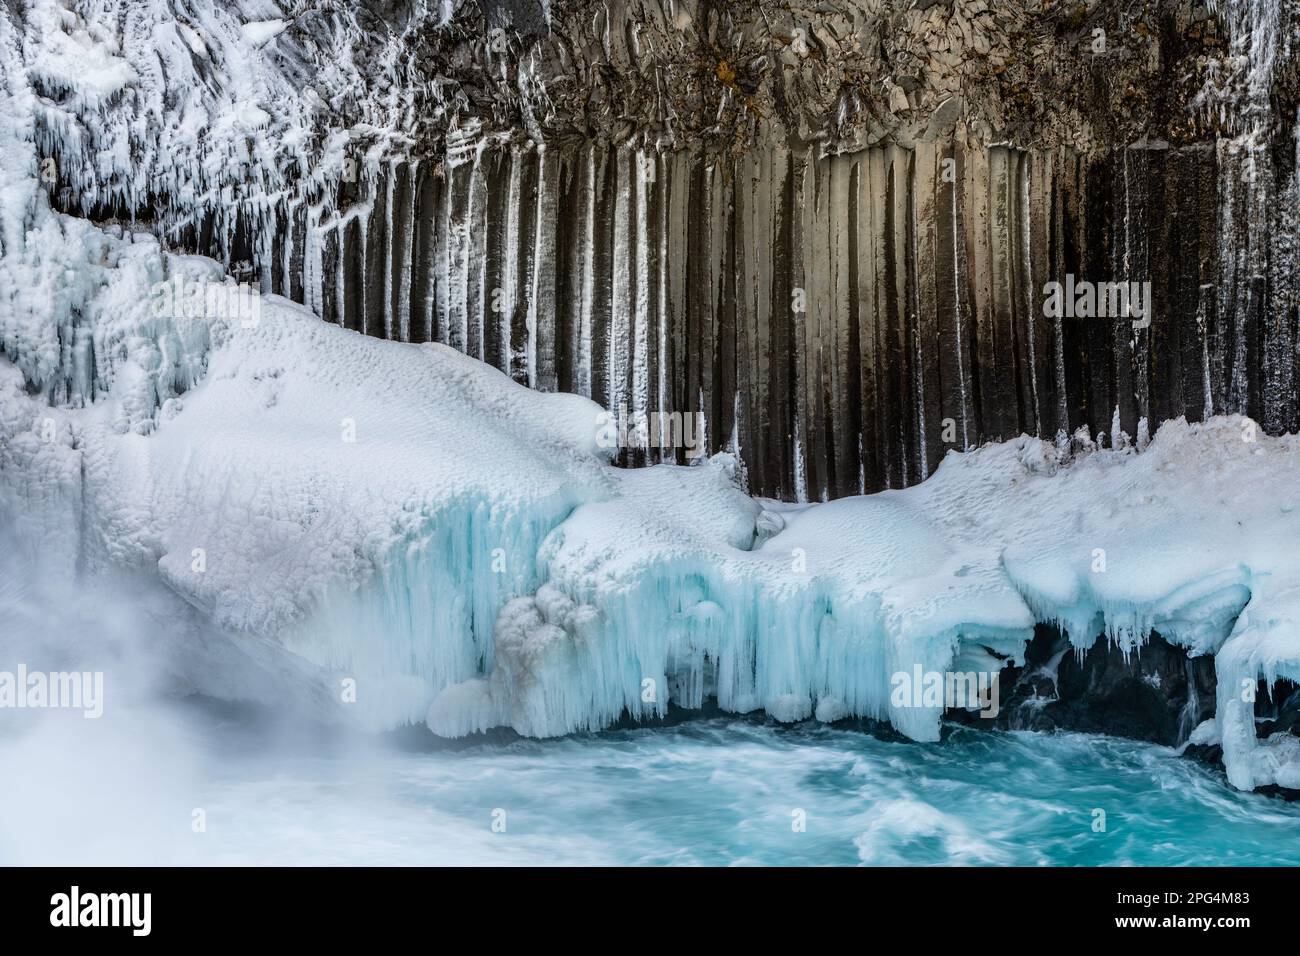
column 727, row 791
column 154, row 782
column 169, row 784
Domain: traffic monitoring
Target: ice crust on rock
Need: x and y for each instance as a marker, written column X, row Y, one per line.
column 271, row 472
column 1188, row 538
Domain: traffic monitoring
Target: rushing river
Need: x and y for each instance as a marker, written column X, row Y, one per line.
column 157, row 779
column 203, row 784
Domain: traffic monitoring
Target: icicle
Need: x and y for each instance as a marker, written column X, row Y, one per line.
column 702, row 433
column 387, row 300
column 340, row 282
column 800, row 473
column 363, row 232
column 959, row 278
column 477, row 293
column 541, row 301
column 442, row 257
column 287, row 264
column 663, row 391
column 621, row 312
column 265, row 255
column 408, row 254
column 640, row 396
column 1058, row 357
column 464, row 151
column 510, row 269
column 588, row 274
column 1030, row 290
column 312, row 268
column 1203, row 332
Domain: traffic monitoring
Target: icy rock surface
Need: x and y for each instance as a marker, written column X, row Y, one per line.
column 351, row 498
column 526, row 181
column 1194, row 538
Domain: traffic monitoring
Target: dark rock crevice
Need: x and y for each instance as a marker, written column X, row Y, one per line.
column 1155, row 693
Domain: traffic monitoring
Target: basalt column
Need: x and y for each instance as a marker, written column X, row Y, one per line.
column 841, row 321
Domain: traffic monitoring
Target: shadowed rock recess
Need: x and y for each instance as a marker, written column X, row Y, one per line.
column 824, row 226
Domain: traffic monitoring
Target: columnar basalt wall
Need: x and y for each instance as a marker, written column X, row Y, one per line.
column 824, row 232
column 842, row 321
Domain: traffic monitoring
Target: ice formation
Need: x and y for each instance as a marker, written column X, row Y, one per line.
column 409, row 519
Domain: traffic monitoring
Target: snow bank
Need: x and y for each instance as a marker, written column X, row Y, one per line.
column 352, row 499
column 1194, row 538
column 274, row 474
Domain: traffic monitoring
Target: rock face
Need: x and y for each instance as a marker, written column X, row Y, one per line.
column 1156, row 693
column 826, row 230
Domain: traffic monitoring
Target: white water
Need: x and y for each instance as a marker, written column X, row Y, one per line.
column 717, row 791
